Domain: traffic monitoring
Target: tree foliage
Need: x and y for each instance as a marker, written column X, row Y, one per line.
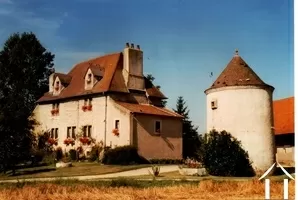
column 223, row 155
column 191, row 138
column 25, row 66
column 151, row 79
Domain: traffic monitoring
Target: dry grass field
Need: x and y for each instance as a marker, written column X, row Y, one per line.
column 204, row 190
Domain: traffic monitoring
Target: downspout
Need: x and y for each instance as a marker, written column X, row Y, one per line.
column 105, row 120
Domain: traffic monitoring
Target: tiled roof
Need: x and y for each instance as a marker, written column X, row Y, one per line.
column 148, row 109
column 113, row 81
column 238, row 73
column 64, row 78
column 283, row 110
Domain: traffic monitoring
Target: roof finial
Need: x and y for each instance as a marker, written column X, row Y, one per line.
column 236, row 52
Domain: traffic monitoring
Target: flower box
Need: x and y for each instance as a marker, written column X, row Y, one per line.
column 85, row 140
column 115, row 132
column 89, row 107
column 52, row 141
column 55, row 111
column 84, row 108
column 69, row 141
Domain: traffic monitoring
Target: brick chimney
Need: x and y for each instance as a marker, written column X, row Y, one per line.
column 133, row 67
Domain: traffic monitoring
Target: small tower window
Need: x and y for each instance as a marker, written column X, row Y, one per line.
column 213, row 104
column 89, row 78
column 57, row 86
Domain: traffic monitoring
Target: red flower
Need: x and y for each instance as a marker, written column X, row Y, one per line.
column 85, row 140
column 52, row 141
column 84, row 108
column 69, row 141
column 116, row 132
column 89, row 107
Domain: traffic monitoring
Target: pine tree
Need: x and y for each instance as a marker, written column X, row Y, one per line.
column 191, row 139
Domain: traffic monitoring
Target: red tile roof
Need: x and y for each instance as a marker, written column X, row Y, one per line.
column 148, row 109
column 113, row 81
column 283, row 110
column 238, row 73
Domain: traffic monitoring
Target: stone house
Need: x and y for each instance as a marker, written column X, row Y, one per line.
column 283, row 110
column 109, row 99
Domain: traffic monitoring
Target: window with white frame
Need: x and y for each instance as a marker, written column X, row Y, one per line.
column 71, row 132
column 54, row 133
column 117, row 124
column 87, row 131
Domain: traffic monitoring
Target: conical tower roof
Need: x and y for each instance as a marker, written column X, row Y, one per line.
column 238, row 73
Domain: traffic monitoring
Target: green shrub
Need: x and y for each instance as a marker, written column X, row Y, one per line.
column 49, row 158
column 94, row 153
column 73, row 154
column 37, row 156
column 224, row 156
column 58, row 154
column 124, row 155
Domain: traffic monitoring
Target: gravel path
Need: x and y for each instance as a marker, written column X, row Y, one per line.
column 136, row 172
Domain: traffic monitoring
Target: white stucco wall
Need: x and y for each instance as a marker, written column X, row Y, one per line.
column 71, row 114
column 245, row 112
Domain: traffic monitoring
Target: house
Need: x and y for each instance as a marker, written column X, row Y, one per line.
column 109, row 99
column 284, row 129
column 240, row 102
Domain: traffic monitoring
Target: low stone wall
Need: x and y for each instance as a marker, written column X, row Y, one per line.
column 285, row 155
column 192, row 171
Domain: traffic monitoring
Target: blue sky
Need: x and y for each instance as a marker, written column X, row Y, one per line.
column 183, row 40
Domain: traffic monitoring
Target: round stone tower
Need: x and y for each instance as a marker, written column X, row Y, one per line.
column 240, row 103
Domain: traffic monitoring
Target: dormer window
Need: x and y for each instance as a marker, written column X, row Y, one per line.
column 89, row 78
column 57, row 85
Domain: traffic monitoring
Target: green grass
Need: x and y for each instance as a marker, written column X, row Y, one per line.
column 117, row 182
column 78, row 169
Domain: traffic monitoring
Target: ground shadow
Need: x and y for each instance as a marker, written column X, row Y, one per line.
column 278, row 171
column 30, row 172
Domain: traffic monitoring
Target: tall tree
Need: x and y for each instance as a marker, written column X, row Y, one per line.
column 191, row 139
column 151, row 79
column 25, row 66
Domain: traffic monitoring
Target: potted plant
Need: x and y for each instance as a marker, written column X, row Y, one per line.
column 155, row 170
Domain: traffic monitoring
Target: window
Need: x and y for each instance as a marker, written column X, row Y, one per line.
column 117, row 124
column 213, row 104
column 157, row 126
column 88, row 102
column 87, row 131
column 54, row 133
column 57, row 85
column 71, row 132
column 89, row 78
column 55, row 106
